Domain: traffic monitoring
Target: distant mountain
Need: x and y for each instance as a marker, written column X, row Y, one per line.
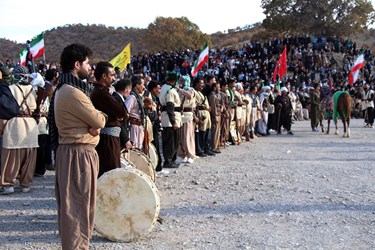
column 106, row 42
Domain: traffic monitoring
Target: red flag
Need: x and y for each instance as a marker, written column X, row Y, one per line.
column 281, row 66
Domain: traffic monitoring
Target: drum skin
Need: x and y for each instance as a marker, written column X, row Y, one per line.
column 127, row 205
column 141, row 162
column 153, row 155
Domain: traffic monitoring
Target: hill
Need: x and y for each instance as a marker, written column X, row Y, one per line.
column 106, row 42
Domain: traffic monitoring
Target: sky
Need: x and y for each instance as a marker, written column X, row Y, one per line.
column 22, row 20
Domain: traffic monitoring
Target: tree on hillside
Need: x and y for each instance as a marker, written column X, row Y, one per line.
column 330, row 17
column 174, row 34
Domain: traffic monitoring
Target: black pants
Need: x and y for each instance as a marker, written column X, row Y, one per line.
column 170, row 144
column 198, row 149
column 285, row 121
column 370, row 115
column 204, row 140
column 271, row 122
column 42, row 155
column 155, row 142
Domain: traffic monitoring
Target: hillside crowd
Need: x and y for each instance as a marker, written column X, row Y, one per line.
column 75, row 106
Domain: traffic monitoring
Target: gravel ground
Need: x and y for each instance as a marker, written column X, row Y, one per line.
column 307, row 191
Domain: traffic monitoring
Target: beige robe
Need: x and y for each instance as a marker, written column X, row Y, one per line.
column 22, row 132
column 203, row 101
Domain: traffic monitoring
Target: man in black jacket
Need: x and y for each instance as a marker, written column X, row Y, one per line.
column 123, row 88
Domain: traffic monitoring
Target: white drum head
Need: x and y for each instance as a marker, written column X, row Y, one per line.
column 153, row 155
column 127, row 205
column 141, row 162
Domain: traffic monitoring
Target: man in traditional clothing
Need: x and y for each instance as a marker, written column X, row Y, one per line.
column 198, row 84
column 186, row 146
column 271, row 127
column 283, row 111
column 225, row 115
column 264, row 103
column 171, row 119
column 135, row 106
column 314, row 107
column 20, row 136
column 369, row 106
column 215, row 113
column 155, row 117
column 109, row 144
column 233, row 126
column 204, row 118
column 247, row 111
column 255, row 106
column 76, row 124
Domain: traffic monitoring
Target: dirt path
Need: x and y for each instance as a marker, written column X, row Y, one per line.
column 307, row 191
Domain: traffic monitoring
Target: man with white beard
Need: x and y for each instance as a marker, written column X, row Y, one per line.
column 264, row 103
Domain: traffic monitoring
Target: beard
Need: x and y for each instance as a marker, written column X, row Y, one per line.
column 82, row 74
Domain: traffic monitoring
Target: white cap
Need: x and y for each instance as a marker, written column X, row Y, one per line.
column 266, row 88
column 284, row 89
column 238, row 85
column 37, row 80
column 272, row 86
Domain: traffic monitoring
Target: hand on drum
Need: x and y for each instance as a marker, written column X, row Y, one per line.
column 94, row 131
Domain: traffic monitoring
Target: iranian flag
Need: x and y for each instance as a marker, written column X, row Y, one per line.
column 201, row 60
column 36, row 49
column 354, row 72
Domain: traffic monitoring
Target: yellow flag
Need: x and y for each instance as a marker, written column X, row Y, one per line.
column 122, row 59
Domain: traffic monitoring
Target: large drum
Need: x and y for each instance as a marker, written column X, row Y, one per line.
column 141, row 162
column 153, row 153
column 127, row 205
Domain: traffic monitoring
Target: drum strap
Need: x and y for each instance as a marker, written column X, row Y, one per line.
column 112, row 131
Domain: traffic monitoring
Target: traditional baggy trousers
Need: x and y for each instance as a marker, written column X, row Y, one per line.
column 186, row 146
column 77, row 167
column 109, row 152
column 14, row 162
column 215, row 133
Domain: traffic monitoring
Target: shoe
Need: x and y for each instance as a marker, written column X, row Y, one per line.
column 201, row 155
column 290, row 133
column 170, row 165
column 216, row 151
column 7, row 190
column 271, row 130
column 210, row 153
column 50, row 167
column 25, row 190
column 163, row 172
column 180, row 160
column 190, row 160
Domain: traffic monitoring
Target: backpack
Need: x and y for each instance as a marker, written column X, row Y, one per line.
column 9, row 107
